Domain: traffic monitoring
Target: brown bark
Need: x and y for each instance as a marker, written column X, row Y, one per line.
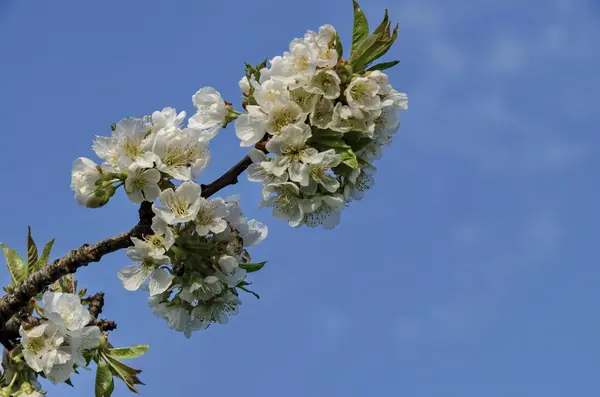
column 37, row 282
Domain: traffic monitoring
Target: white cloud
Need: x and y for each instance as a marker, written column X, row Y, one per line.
column 490, row 89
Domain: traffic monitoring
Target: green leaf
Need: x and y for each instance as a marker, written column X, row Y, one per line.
column 343, row 170
column 373, row 45
column 384, row 26
column 383, row 66
column 349, row 158
column 318, row 133
column 32, row 251
column 361, row 28
column 339, row 47
column 385, row 48
column 43, row 260
column 124, row 372
column 333, row 143
column 128, row 352
column 250, row 292
column 252, row 267
column 104, row 381
column 16, row 265
column 357, row 140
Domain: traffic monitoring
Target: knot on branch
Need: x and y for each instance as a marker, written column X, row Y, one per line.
column 96, row 304
column 104, row 325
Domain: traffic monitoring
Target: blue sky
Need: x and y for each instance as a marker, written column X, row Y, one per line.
column 470, row 269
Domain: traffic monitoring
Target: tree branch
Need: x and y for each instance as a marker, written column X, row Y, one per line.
column 95, row 308
column 228, row 178
column 37, row 282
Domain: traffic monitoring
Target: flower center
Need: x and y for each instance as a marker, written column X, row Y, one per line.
column 359, row 91
column 205, row 216
column 285, row 201
column 301, row 63
column 182, row 156
column 36, row 344
column 139, row 183
column 132, row 149
column 317, row 171
column 155, row 241
column 180, row 207
column 282, row 118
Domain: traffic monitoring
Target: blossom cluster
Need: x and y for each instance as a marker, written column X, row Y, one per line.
column 144, row 154
column 57, row 344
column 196, row 259
column 323, row 124
column 193, row 261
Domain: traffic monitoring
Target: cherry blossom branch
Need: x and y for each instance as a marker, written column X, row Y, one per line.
column 36, row 283
column 228, row 178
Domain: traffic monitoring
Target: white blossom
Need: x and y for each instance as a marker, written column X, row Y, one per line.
column 251, row 127
column 202, row 289
column 180, row 205
column 195, row 324
column 84, row 339
column 373, row 151
column 106, row 148
column 325, row 82
column 347, row 119
column 131, row 139
column 167, row 120
column 362, row 93
column 231, row 273
column 294, row 68
column 84, row 176
column 182, row 156
column 286, row 202
column 260, row 170
column 209, row 218
column 328, row 57
column 42, row 347
column 61, row 372
column 359, row 182
column 323, row 211
column 304, row 99
column 56, row 345
column 292, row 153
column 318, row 169
column 270, row 93
column 381, row 79
column 244, row 85
column 178, row 318
column 211, row 114
column 396, row 98
column 142, row 184
column 157, row 304
column 161, row 240
column 134, row 276
column 251, row 231
column 219, row 309
column 323, row 114
column 284, row 114
column 65, row 311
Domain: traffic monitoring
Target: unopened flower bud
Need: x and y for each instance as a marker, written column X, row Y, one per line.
column 344, row 71
column 98, row 199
